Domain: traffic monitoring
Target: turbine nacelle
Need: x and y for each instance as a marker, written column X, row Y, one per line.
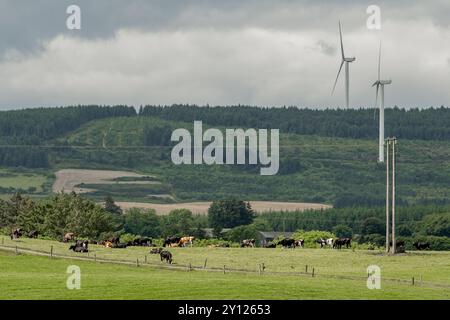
column 349, row 59
column 381, row 82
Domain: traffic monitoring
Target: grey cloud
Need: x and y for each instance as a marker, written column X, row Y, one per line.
column 326, row 48
column 219, row 52
column 25, row 24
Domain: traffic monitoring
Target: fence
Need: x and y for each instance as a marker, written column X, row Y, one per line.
column 310, row 271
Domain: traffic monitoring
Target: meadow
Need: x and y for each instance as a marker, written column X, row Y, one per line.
column 338, row 274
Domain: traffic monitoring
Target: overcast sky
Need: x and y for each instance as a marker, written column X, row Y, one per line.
column 257, row 52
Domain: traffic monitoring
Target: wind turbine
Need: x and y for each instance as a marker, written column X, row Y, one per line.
column 380, row 85
column 345, row 60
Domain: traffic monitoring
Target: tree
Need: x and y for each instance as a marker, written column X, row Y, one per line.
column 229, row 214
column 178, row 222
column 111, row 206
column 437, row 225
column 372, row 226
column 240, row 233
column 342, row 231
column 142, row 222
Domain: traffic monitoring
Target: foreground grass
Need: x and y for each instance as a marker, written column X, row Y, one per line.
column 31, row 277
column 432, row 266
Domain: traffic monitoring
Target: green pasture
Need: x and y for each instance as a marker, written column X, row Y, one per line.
column 338, row 274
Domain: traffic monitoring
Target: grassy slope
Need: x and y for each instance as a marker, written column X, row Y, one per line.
column 32, row 277
column 329, row 167
column 24, row 179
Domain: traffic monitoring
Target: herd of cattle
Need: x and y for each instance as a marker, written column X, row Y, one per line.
column 81, row 246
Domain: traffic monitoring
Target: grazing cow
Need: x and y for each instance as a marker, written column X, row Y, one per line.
column 287, row 243
column 322, row 242
column 248, row 243
column 185, row 241
column 156, row 250
column 107, row 244
column 33, row 234
column 400, row 243
column 271, row 245
column 325, row 242
column 82, row 243
column 141, row 242
column 119, row 245
column 78, row 249
column 172, row 241
column 340, row 242
column 113, row 239
column 80, row 246
column 166, row 255
column 69, row 237
column 16, row 234
column 330, row 242
column 421, row 245
column 299, row 243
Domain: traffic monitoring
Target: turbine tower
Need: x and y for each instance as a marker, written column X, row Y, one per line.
column 347, row 61
column 380, row 85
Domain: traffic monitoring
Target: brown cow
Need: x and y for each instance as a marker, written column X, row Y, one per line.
column 69, row 237
column 185, row 241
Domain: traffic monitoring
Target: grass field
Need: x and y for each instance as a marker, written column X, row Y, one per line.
column 338, row 275
column 32, row 182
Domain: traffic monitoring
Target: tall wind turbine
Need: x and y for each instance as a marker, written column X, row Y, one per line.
column 380, row 85
column 345, row 60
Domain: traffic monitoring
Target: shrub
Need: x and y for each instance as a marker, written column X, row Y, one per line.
column 342, row 231
column 310, row 237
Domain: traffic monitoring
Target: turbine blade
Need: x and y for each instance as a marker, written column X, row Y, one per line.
column 342, row 43
column 337, row 77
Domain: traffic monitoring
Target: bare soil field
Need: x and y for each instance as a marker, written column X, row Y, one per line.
column 68, row 179
column 202, row 207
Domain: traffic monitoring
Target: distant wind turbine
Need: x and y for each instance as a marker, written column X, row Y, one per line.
column 345, row 60
column 380, row 85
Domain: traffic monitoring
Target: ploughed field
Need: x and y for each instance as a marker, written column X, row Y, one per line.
column 338, row 274
column 202, row 207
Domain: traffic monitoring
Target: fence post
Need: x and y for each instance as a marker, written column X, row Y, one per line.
column 17, row 251
column 204, row 265
column 306, row 269
column 223, row 269
column 145, row 258
column 137, row 262
column 259, row 265
column 51, row 252
column 412, row 280
column 95, row 257
column 3, row 241
column 313, row 272
column 263, row 266
column 190, row 266
column 420, row 280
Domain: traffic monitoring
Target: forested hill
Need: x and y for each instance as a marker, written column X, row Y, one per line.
column 424, row 124
column 34, row 126
column 317, row 164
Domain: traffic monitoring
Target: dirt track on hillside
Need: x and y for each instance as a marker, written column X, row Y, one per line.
column 202, row 207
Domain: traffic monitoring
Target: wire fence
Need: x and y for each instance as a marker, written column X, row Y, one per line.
column 260, row 269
